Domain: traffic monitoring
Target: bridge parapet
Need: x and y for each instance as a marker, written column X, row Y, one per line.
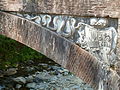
column 101, row 8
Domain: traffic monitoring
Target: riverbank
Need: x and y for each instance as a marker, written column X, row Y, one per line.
column 41, row 75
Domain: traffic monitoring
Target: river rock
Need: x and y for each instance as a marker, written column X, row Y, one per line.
column 11, row 71
column 20, row 80
column 31, row 85
column 2, row 87
column 41, row 86
column 53, row 78
column 29, row 79
column 1, row 75
column 65, row 73
column 75, row 87
column 18, row 86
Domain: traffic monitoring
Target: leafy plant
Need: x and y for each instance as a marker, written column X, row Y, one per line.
column 13, row 52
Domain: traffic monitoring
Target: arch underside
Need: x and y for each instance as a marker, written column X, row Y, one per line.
column 58, row 48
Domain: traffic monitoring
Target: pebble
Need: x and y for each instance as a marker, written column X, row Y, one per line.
column 2, row 87
column 41, row 86
column 10, row 71
column 38, row 80
column 66, row 89
column 65, row 70
column 29, row 79
column 55, row 67
column 75, row 87
column 65, row 73
column 1, row 75
column 32, row 89
column 56, row 78
column 21, row 80
column 18, row 86
column 61, row 71
column 29, row 69
column 31, row 85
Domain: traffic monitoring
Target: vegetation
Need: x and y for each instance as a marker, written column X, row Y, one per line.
column 12, row 52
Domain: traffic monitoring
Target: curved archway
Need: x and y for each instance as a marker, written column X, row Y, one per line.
column 57, row 48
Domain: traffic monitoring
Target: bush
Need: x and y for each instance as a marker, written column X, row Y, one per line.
column 13, row 52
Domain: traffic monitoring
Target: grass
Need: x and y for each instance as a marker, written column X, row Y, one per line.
column 13, row 52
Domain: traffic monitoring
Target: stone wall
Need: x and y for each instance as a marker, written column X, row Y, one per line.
column 103, row 8
column 43, row 40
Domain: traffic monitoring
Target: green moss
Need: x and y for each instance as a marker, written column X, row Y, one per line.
column 12, row 52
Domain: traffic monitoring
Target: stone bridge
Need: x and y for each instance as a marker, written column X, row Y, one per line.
column 81, row 35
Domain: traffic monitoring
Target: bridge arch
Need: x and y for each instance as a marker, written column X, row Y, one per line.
column 57, row 48
column 52, row 45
